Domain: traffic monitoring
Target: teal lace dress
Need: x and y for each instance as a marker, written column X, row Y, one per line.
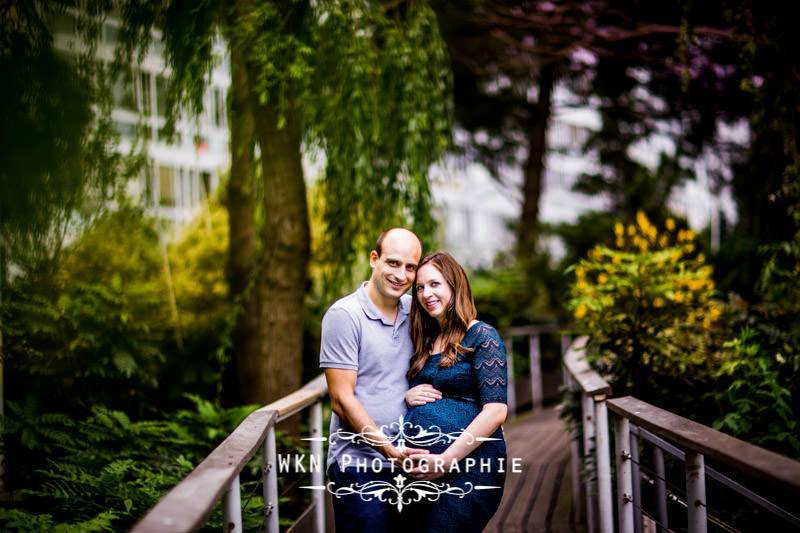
column 478, row 377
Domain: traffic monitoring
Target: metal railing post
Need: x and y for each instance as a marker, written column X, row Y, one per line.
column 696, row 492
column 661, row 491
column 575, row 454
column 535, row 357
column 588, row 450
column 605, row 501
column 317, row 476
column 270, row 482
column 232, row 508
column 636, row 476
column 511, row 392
column 622, row 441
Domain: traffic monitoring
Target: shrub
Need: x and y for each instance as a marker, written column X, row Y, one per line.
column 648, row 308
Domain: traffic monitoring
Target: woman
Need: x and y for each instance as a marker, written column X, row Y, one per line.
column 458, row 390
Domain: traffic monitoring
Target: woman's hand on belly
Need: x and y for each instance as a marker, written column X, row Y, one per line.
column 422, row 394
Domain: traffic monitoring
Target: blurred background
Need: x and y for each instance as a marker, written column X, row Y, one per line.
column 185, row 187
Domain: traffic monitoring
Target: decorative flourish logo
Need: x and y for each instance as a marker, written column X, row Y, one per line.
column 402, row 433
column 400, row 494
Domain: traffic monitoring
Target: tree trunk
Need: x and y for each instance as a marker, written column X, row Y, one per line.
column 534, row 165
column 241, row 267
column 277, row 369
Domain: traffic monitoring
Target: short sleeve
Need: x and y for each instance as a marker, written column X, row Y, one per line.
column 490, row 366
column 339, row 340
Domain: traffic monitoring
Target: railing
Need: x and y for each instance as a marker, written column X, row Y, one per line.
column 533, row 334
column 187, row 506
column 684, row 439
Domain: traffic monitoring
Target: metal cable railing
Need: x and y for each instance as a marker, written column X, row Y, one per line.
column 636, row 421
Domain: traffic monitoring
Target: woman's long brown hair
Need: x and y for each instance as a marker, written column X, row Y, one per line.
column 459, row 313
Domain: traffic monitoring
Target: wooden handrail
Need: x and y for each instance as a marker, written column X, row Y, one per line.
column 590, row 381
column 187, row 505
column 746, row 457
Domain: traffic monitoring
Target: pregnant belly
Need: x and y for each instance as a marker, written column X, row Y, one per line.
column 435, row 425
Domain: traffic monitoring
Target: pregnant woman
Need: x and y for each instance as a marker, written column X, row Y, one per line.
column 458, row 387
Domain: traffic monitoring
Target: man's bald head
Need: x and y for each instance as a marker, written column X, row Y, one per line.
column 397, row 234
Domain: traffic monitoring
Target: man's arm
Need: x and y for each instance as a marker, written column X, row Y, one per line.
column 341, row 388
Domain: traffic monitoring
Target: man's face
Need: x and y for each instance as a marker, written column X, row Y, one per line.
column 394, row 271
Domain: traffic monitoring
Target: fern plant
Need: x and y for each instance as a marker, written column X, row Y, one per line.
column 103, row 473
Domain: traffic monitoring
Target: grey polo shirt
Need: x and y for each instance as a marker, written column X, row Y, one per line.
column 356, row 336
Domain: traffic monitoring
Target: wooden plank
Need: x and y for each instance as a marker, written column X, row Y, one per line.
column 511, row 491
column 552, row 457
column 538, row 439
column 590, row 381
column 536, row 517
column 749, row 458
column 305, row 522
column 527, row 492
column 561, row 518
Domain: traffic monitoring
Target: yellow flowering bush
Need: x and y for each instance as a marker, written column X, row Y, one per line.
column 647, row 305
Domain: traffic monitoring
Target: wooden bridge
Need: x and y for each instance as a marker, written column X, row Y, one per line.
column 540, row 498
column 565, row 482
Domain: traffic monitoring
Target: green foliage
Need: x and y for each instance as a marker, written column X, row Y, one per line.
column 757, row 406
column 197, row 261
column 378, row 106
column 762, row 366
column 100, row 329
column 22, row 522
column 122, row 243
column 103, row 473
column 60, row 164
column 647, row 306
column 90, row 337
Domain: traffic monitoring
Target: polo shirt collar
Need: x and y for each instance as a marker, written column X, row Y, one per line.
column 372, row 311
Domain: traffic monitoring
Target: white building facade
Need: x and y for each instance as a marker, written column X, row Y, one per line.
column 180, row 172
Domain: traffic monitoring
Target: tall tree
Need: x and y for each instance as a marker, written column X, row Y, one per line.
column 365, row 83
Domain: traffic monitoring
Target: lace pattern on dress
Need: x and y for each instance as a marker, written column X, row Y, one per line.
column 489, row 363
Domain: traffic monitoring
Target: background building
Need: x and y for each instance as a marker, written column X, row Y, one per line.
column 181, row 172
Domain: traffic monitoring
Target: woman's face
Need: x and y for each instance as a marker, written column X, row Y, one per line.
column 433, row 292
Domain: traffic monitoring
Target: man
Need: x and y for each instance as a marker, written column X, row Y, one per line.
column 365, row 350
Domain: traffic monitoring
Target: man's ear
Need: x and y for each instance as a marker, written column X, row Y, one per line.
column 373, row 258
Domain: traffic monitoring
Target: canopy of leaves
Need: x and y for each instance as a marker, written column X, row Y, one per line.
column 56, row 146
column 372, row 84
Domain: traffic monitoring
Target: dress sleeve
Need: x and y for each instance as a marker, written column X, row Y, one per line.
column 489, row 364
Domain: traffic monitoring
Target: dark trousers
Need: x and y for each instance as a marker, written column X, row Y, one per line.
column 361, row 512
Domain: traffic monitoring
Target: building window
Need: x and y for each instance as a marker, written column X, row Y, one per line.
column 147, row 93
column 65, row 23
column 161, row 95
column 167, row 186
column 122, row 93
column 219, row 107
column 126, row 130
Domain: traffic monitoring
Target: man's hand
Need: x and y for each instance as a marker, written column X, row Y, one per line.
column 430, row 466
column 422, row 394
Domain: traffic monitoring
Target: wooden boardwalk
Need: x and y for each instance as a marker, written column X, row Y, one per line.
column 540, row 497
